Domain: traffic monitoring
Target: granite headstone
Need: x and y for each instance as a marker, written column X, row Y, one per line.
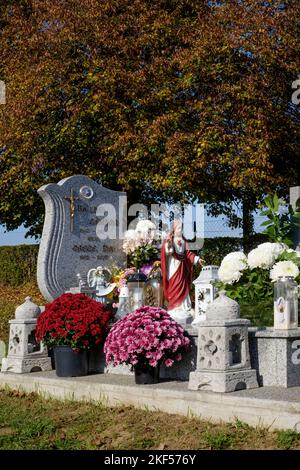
column 79, row 215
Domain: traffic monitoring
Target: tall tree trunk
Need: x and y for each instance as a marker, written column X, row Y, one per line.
column 248, row 223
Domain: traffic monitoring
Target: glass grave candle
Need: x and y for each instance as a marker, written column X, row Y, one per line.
column 285, row 303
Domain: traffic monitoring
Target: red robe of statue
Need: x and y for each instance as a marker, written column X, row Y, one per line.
column 177, row 287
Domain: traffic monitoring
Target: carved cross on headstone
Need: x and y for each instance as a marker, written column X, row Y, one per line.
column 72, row 200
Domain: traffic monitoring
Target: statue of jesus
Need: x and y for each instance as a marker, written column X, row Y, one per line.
column 177, row 264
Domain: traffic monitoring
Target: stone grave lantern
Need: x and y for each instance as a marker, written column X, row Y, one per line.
column 205, row 291
column 24, row 353
column 223, row 360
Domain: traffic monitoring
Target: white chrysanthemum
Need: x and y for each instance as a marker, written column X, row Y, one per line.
column 284, row 268
column 228, row 274
column 275, row 248
column 237, row 258
column 260, row 258
column 265, row 255
column 231, row 267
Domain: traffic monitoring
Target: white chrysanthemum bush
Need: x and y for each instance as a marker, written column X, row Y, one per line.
column 249, row 279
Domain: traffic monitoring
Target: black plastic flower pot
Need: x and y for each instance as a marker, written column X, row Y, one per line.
column 96, row 360
column 70, row 363
column 146, row 375
column 51, row 355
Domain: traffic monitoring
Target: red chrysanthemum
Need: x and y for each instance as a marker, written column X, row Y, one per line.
column 75, row 320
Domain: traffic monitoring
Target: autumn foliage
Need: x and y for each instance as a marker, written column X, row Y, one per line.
column 166, row 99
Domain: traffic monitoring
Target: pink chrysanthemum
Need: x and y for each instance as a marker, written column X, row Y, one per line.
column 148, row 336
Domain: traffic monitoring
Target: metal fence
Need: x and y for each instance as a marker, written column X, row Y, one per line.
column 219, row 226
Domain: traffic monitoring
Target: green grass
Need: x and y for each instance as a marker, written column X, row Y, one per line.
column 287, row 439
column 28, row 421
column 220, row 440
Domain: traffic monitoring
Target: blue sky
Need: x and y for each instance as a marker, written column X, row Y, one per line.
column 16, row 237
column 214, row 226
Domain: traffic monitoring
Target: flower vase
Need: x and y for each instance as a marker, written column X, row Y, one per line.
column 146, row 375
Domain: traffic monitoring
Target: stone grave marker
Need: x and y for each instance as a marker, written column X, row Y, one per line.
column 82, row 230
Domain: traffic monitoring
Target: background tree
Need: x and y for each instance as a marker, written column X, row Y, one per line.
column 172, row 100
